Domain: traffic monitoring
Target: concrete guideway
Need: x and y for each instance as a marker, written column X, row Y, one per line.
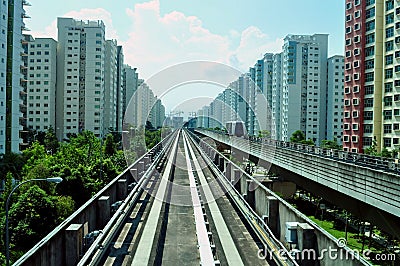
column 143, row 252
column 231, row 253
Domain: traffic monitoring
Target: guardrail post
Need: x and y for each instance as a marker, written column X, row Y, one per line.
column 236, row 179
column 140, row 169
column 251, row 193
column 122, row 189
column 73, row 244
column 273, row 214
column 147, row 161
column 228, row 171
column 216, row 158
column 306, row 240
column 221, row 164
column 103, row 211
column 134, row 174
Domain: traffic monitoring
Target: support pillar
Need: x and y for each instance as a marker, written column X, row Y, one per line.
column 251, row 194
column 122, row 189
column 237, row 174
column 103, row 211
column 134, row 176
column 228, row 171
column 73, row 244
column 221, row 163
column 306, row 240
column 140, row 169
column 273, row 215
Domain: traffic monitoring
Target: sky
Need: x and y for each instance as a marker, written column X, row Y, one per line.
column 161, row 33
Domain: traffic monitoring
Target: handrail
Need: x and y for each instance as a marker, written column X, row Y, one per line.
column 73, row 216
column 382, row 163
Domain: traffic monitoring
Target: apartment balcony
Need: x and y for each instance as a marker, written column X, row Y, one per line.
column 24, row 15
column 23, row 54
column 23, row 28
column 26, row 3
column 22, row 107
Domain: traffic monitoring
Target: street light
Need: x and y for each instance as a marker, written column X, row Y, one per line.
column 51, row 180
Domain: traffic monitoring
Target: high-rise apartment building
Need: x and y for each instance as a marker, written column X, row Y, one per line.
column 304, row 81
column 12, row 79
column 80, row 77
column 334, row 99
column 120, row 88
column 41, row 88
column 111, row 86
column 372, row 75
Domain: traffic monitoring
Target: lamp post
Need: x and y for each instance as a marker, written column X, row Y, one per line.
column 51, row 180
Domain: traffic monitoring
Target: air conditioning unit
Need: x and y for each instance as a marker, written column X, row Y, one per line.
column 291, row 232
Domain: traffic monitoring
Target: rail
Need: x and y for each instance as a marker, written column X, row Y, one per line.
column 382, row 163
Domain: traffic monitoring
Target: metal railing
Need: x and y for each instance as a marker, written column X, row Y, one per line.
column 381, row 163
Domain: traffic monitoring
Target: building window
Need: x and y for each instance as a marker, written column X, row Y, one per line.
column 387, row 142
column 387, row 114
column 354, row 139
column 369, row 102
column 348, row 30
column 346, row 126
column 370, row 25
column 369, row 77
column 346, row 114
column 389, row 73
column 368, row 128
column 355, row 126
column 389, row 18
column 388, row 100
column 388, row 86
column 347, row 102
column 367, row 141
column 345, row 138
column 389, row 46
column 355, row 114
column 348, row 6
column 348, row 41
column 369, row 89
column 387, row 128
column 389, row 59
column 389, row 5
column 368, row 115
column 389, row 32
column 357, row 26
column 356, row 76
column 346, row 90
column 369, row 64
column 356, row 88
column 369, row 51
column 370, row 13
column 370, row 38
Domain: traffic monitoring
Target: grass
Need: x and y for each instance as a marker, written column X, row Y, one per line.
column 354, row 241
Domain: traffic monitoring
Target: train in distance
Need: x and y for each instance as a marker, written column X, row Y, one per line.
column 236, row 128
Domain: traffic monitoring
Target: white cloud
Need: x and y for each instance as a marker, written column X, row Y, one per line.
column 83, row 14
column 157, row 41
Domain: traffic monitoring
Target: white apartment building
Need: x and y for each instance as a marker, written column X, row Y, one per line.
column 276, row 96
column 41, row 88
column 335, row 99
column 303, row 95
column 80, row 77
column 120, row 88
column 130, row 81
column 111, row 86
column 12, row 81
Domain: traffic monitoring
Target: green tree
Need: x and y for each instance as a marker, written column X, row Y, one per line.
column 110, row 147
column 30, row 218
column 330, row 144
column 50, row 141
column 372, row 150
column 264, row 134
column 297, row 136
